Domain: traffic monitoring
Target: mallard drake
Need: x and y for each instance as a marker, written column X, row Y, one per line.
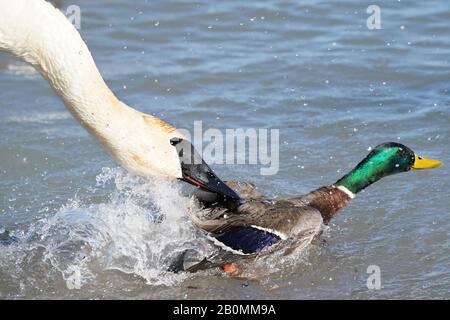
column 260, row 225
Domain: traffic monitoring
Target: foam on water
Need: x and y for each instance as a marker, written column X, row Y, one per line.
column 22, row 69
column 138, row 230
column 38, row 117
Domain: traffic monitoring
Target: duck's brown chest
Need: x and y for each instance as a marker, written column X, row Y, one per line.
column 327, row 200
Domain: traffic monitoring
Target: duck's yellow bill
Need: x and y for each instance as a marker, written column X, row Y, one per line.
column 423, row 163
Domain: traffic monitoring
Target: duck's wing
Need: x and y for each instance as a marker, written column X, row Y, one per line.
column 280, row 216
column 245, row 240
column 257, row 225
column 241, row 232
column 247, row 190
column 257, row 228
column 217, row 219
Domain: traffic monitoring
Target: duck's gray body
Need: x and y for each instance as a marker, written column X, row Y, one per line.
column 262, row 225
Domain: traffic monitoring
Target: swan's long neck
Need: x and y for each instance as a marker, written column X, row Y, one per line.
column 38, row 33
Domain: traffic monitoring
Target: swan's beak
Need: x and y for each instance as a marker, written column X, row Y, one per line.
column 195, row 171
column 423, row 163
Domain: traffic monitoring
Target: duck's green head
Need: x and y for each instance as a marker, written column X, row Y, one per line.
column 384, row 160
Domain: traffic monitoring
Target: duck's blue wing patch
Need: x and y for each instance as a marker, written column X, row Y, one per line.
column 248, row 239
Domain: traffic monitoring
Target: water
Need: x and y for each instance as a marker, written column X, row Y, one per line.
column 88, row 229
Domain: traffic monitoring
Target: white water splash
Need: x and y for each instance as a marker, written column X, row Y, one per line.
column 138, row 230
column 22, row 69
column 38, row 117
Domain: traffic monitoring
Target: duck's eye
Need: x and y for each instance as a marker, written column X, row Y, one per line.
column 420, row 158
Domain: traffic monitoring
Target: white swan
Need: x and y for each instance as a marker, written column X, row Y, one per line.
column 38, row 33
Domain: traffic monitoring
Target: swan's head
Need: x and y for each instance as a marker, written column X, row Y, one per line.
column 196, row 172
